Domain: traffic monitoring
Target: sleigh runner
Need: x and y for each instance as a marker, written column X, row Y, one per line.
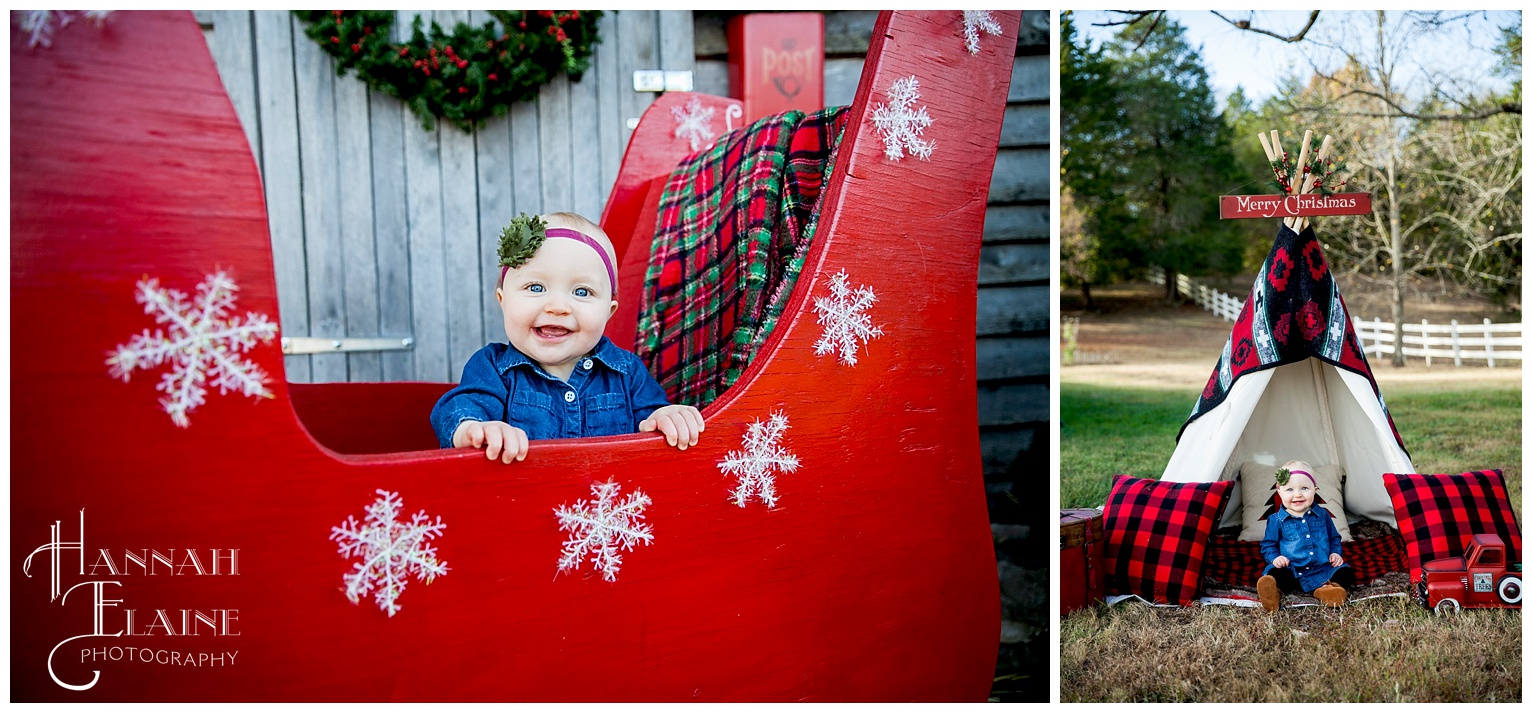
column 870, row 576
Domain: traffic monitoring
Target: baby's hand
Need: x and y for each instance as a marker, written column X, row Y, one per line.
column 498, row 439
column 1335, row 559
column 680, row 424
column 1280, row 562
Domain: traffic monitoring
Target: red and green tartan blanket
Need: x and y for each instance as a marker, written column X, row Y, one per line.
column 734, row 225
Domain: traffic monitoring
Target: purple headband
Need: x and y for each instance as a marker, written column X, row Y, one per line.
column 572, row 234
column 1307, row 474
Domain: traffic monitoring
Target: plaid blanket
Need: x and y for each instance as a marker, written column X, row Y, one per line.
column 734, row 226
column 1294, row 312
column 1230, row 561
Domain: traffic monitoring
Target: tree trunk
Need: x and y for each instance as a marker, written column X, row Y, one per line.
column 1396, row 256
column 1170, row 286
column 1391, row 169
column 1085, row 292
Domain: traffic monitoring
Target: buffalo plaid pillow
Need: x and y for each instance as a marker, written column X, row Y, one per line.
column 1439, row 514
column 1157, row 536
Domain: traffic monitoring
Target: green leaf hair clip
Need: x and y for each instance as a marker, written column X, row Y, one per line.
column 1282, row 476
column 520, row 240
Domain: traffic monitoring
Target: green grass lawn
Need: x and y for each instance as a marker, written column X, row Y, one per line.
column 1378, row 650
column 1104, row 431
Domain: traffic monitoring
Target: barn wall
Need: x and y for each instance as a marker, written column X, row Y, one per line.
column 382, row 229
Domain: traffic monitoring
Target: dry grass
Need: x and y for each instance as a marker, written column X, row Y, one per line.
column 1383, row 650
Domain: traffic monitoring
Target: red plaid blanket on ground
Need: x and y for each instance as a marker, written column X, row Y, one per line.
column 1231, row 561
column 734, row 226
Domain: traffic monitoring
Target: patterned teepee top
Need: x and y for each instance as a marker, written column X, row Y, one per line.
column 1294, row 312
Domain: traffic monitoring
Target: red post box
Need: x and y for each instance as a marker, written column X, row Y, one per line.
column 776, row 62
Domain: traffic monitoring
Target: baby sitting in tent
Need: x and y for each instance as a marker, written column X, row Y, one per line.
column 1302, row 547
column 559, row 377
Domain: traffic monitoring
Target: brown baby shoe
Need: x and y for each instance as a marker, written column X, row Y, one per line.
column 1271, row 597
column 1331, row 594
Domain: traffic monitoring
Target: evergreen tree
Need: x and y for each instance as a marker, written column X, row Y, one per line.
column 1147, row 153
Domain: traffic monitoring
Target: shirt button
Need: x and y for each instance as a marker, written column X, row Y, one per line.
column 569, row 397
column 586, row 364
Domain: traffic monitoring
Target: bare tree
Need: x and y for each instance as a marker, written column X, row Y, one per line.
column 1468, row 109
column 1446, row 193
column 1475, row 172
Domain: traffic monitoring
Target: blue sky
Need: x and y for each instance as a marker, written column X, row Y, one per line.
column 1235, row 57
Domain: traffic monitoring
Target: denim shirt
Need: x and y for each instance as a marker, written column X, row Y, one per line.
column 1307, row 542
column 609, row 393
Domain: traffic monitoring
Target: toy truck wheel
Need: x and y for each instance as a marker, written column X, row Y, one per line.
column 1448, row 605
column 1509, row 589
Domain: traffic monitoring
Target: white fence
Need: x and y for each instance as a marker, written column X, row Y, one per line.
column 1488, row 341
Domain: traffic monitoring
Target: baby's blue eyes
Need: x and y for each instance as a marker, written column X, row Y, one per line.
column 536, row 288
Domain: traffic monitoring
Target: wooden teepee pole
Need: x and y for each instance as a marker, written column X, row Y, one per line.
column 1311, row 178
column 1306, row 180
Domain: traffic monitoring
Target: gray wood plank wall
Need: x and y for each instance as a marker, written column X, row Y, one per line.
column 382, row 229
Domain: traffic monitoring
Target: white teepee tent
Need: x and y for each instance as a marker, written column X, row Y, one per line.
column 1307, row 410
column 1293, row 380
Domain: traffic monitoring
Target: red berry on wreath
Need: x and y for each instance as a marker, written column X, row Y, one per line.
column 335, row 13
column 355, row 48
column 462, row 90
column 427, row 70
column 574, row 15
column 462, row 64
column 492, row 77
column 334, row 40
column 522, row 24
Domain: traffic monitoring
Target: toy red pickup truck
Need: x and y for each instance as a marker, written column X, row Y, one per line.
column 1480, row 578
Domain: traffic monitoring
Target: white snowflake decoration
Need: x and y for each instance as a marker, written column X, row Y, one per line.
column 975, row 20
column 39, row 24
column 602, row 528
column 204, row 342
column 843, row 315
column 390, row 551
column 694, row 123
column 762, row 454
column 900, row 125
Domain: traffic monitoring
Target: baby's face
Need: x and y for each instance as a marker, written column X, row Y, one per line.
column 556, row 305
column 1298, row 495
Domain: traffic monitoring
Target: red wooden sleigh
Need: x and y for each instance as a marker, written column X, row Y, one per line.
column 872, row 579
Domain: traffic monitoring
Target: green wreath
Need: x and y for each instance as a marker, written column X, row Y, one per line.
column 464, row 77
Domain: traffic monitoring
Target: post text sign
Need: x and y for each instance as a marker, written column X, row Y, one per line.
column 1283, row 206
